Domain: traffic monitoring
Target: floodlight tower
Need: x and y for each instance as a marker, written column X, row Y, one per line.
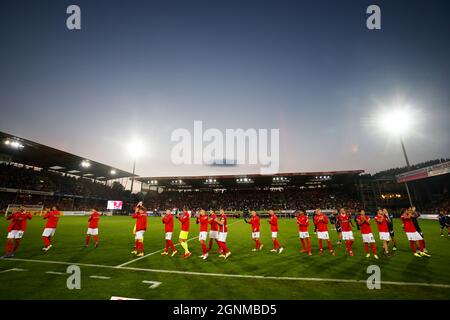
column 397, row 123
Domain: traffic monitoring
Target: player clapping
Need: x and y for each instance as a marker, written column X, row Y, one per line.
column 345, row 221
column 383, row 230
column 255, row 223
column 321, row 221
column 184, row 233
column 412, row 234
column 366, row 231
column 92, row 230
column 167, row 220
column 213, row 231
column 16, row 230
column 223, row 232
column 203, row 220
column 303, row 223
column 52, row 218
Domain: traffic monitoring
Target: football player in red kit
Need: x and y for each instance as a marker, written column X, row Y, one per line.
column 223, row 232
column 16, row 230
column 213, row 231
column 383, row 230
column 255, row 223
column 52, row 218
column 321, row 222
column 167, row 220
column 366, row 231
column 203, row 220
column 345, row 221
column 303, row 224
column 273, row 221
column 92, row 230
column 140, row 215
column 412, row 234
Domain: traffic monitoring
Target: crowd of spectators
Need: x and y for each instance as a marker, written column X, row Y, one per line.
column 241, row 200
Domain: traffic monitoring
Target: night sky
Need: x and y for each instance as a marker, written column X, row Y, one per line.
column 144, row 68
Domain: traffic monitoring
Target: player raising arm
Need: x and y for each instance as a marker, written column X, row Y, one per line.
column 203, row 220
column 184, row 233
column 223, row 232
column 303, row 223
column 52, row 218
column 366, row 232
column 412, row 234
column 140, row 215
column 92, row 230
column 167, row 220
column 321, row 221
column 390, row 222
column 255, row 223
column 16, row 230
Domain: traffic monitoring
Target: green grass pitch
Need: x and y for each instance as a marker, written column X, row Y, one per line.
column 302, row 276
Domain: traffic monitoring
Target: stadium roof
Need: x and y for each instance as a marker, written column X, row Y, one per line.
column 305, row 179
column 423, row 173
column 26, row 152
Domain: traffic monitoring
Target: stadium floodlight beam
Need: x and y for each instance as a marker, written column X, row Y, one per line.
column 397, row 123
column 135, row 149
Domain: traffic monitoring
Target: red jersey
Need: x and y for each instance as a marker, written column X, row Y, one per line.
column 19, row 221
column 408, row 223
column 273, row 223
column 382, row 223
column 185, row 221
column 141, row 221
column 321, row 221
column 223, row 227
column 213, row 222
column 168, row 223
column 303, row 223
column 203, row 220
column 255, row 222
column 93, row 220
column 52, row 219
column 345, row 221
column 364, row 224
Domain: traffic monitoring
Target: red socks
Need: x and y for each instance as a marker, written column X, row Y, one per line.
column 366, row 247
column 421, row 245
column 204, row 247
column 303, row 244
column 320, row 245
column 88, row 238
column 308, row 243
column 9, row 246
column 223, row 245
column 257, row 244
column 330, row 246
column 374, row 249
column 412, row 245
column 46, row 241
column 16, row 245
column 276, row 244
column 96, row 239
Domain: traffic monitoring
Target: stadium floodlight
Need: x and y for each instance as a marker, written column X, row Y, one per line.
column 135, row 148
column 85, row 164
column 113, row 172
column 396, row 122
column 7, row 142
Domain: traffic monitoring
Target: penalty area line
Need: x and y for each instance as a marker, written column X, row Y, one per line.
column 161, row 250
column 238, row 276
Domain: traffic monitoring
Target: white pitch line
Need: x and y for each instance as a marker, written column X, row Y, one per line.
column 150, row 254
column 100, row 277
column 55, row 272
column 242, row 276
column 13, row 269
